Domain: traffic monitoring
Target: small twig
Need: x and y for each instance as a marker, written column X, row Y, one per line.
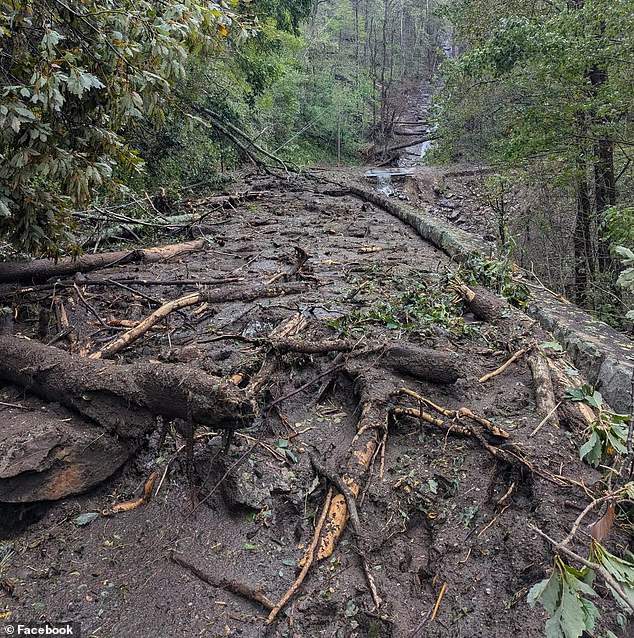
column 16, row 405
column 586, row 511
column 309, row 557
column 544, row 420
column 88, row 307
column 504, row 366
column 443, row 589
column 507, row 494
column 235, row 588
column 303, row 387
column 492, row 521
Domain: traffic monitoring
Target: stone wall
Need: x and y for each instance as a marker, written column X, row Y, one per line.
column 604, row 355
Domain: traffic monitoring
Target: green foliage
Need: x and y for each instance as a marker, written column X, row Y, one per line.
column 608, row 433
column 419, row 307
column 546, row 89
column 621, row 569
column 564, row 597
column 619, row 225
column 497, row 275
column 78, row 76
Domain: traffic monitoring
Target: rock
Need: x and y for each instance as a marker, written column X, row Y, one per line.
column 445, row 203
column 615, row 384
column 244, row 490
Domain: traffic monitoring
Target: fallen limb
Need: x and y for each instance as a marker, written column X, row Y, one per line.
column 423, row 363
column 119, row 405
column 225, row 201
column 398, row 147
column 483, row 303
column 576, row 415
column 219, row 295
column 227, row 126
column 504, row 366
column 111, row 282
column 307, row 561
column 42, row 269
column 232, row 586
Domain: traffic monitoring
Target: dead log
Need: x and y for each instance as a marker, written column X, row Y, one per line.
column 39, row 270
column 575, row 415
column 119, row 405
column 408, row 144
column 123, row 399
column 483, row 303
column 425, row 364
column 225, row 201
column 544, row 393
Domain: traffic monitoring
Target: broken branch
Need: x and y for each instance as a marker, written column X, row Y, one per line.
column 504, row 366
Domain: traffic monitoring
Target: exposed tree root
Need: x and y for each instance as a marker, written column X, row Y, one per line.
column 361, row 541
column 234, row 587
column 458, row 414
column 504, row 366
column 305, row 564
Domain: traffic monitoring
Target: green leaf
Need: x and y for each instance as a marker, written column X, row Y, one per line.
column 546, row 592
column 592, row 451
column 552, row 345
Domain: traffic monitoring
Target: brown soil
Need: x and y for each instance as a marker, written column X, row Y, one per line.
column 431, row 519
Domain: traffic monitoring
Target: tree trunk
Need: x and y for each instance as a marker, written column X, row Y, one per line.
column 39, row 270
column 582, row 240
column 119, row 405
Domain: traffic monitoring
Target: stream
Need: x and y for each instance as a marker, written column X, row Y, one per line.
column 414, row 122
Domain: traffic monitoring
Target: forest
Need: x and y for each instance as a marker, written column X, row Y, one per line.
column 316, row 318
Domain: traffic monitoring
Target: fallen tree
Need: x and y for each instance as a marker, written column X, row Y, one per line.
column 119, row 404
column 39, row 270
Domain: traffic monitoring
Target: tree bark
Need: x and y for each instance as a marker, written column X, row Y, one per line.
column 604, row 176
column 119, row 405
column 39, row 270
column 582, row 241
